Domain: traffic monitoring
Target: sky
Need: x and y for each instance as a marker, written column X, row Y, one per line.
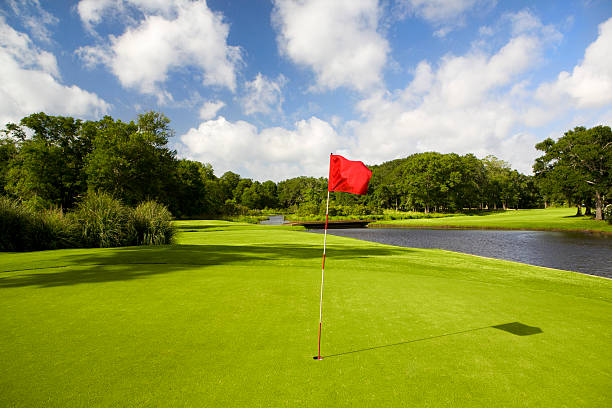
column 269, row 88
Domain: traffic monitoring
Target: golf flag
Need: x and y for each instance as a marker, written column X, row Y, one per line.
column 348, row 175
column 351, row 177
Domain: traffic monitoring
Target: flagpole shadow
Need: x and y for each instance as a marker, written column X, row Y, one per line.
column 516, row 328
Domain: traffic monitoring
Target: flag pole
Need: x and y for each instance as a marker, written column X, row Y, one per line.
column 323, row 270
column 323, row 275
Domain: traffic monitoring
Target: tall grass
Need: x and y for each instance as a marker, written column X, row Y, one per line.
column 14, row 224
column 98, row 221
column 151, row 223
column 104, row 221
column 24, row 229
column 53, row 229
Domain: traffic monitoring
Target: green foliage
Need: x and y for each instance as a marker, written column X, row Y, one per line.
column 24, row 229
column 152, row 224
column 577, row 166
column 15, row 220
column 53, row 229
column 607, row 212
column 65, row 158
column 8, row 151
column 98, row 221
column 131, row 161
column 104, row 221
column 448, row 182
column 48, row 167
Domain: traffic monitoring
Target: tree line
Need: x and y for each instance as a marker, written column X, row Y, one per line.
column 54, row 161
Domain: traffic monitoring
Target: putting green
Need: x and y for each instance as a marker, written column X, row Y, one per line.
column 229, row 317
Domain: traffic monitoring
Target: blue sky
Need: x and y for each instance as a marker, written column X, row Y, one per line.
column 268, row 89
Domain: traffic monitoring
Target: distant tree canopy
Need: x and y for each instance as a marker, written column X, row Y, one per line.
column 53, row 161
column 577, row 167
column 450, row 182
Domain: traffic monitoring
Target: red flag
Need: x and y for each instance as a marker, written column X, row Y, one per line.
column 347, row 175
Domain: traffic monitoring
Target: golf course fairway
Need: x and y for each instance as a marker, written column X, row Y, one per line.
column 229, row 317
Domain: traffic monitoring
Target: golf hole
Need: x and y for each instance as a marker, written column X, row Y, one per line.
column 317, row 358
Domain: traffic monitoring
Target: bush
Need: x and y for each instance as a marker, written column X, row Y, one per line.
column 104, row 221
column 24, row 229
column 15, row 220
column 152, row 224
column 607, row 213
column 52, row 229
column 99, row 221
column 309, row 208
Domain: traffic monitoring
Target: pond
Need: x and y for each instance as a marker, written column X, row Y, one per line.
column 274, row 220
column 573, row 251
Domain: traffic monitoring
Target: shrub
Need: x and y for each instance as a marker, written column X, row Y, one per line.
column 309, row 208
column 607, row 213
column 103, row 221
column 152, row 224
column 52, row 229
column 15, row 220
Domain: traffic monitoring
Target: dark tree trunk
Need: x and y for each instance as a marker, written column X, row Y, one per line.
column 578, row 211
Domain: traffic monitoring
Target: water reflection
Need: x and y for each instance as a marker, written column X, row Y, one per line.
column 274, row 220
column 573, row 251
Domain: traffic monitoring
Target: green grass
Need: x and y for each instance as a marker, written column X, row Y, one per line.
column 387, row 216
column 548, row 219
column 229, row 317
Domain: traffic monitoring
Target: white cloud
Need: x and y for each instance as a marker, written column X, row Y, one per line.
column 444, row 14
column 93, row 11
column 590, row 83
column 475, row 103
column 34, row 17
column 173, row 35
column 31, row 82
column 209, row 109
column 272, row 153
column 337, row 39
column 263, row 95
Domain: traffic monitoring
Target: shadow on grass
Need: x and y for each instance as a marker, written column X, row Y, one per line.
column 122, row 264
column 516, row 328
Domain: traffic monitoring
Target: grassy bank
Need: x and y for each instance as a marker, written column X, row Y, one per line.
column 388, row 215
column 229, row 317
column 542, row 219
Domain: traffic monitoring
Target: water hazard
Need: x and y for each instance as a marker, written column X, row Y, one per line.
column 573, row 251
column 274, row 220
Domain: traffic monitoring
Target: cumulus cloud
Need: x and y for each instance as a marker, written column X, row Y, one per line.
column 31, row 82
column 271, row 153
column 173, row 35
column 445, row 15
column 35, row 19
column 338, row 40
column 474, row 103
column 209, row 109
column 92, row 12
column 263, row 95
column 590, row 83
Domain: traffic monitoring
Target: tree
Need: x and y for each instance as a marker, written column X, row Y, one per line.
column 421, row 180
column 131, row 160
column 228, row 182
column 48, row 166
column 579, row 164
column 8, row 152
column 189, row 190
